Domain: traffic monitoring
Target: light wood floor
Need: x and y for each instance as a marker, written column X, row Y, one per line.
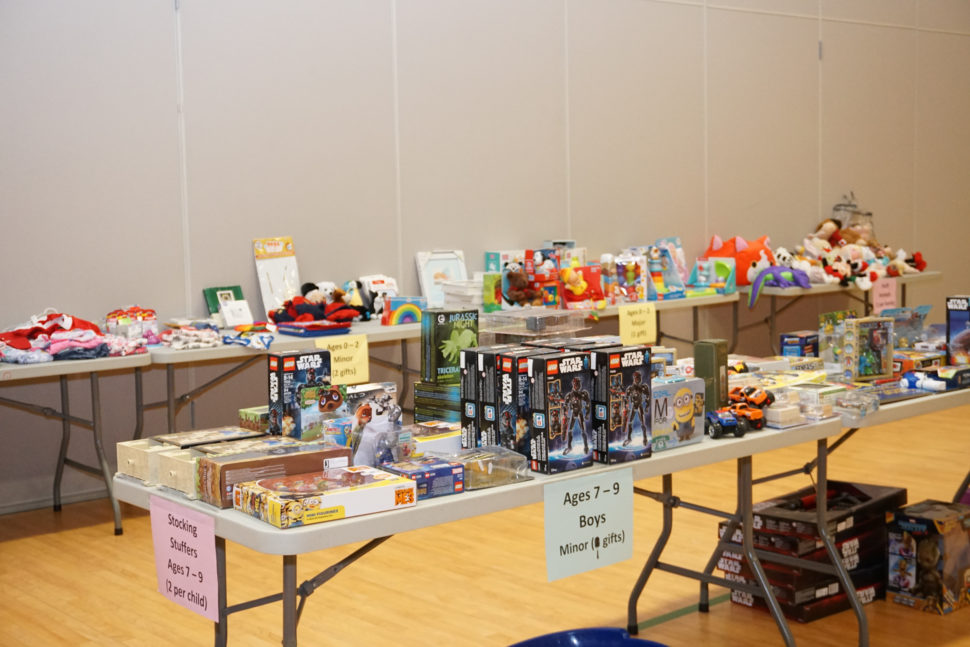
column 65, row 579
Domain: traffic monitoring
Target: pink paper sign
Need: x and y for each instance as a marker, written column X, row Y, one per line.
column 883, row 295
column 185, row 557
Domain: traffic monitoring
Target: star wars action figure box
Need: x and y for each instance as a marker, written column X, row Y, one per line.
column 561, row 412
column 621, row 404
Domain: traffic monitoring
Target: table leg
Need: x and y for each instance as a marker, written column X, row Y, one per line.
column 65, row 441
column 773, row 326
column 289, row 600
column 745, row 506
column 821, row 496
column 648, row 568
column 170, row 396
column 99, row 448
column 222, row 626
column 139, row 405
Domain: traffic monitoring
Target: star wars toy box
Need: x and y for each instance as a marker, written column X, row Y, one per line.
column 561, row 424
column 468, row 371
column 315, row 497
column 217, row 474
column 622, row 403
column 958, row 330
column 512, row 405
column 929, row 556
column 298, row 386
column 848, row 505
column 487, row 391
column 678, row 411
column 444, row 333
column 432, row 476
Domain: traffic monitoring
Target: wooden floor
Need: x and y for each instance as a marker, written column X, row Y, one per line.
column 65, row 579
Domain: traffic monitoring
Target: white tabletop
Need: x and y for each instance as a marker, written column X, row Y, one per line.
column 674, row 304
column 258, row 535
column 18, row 372
column 376, row 333
column 827, row 288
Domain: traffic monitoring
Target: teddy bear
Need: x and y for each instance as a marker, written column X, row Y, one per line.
column 519, row 291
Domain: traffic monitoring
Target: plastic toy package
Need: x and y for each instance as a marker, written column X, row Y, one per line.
column 487, row 467
column 853, row 406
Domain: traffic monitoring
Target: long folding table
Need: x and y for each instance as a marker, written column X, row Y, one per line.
column 93, row 368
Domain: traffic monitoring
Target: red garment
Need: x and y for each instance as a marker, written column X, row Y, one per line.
column 44, row 325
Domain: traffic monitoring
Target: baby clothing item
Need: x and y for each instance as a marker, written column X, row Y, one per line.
column 191, row 338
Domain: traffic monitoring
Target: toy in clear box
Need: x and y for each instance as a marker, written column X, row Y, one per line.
column 831, row 329
column 581, row 287
column 542, row 268
column 711, row 276
column 664, row 281
column 855, row 405
column 675, row 249
column 609, row 278
column 867, row 348
column 631, row 278
column 785, row 411
column 908, row 325
column 489, row 466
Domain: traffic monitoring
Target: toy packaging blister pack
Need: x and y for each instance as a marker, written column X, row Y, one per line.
column 622, row 402
column 678, row 411
column 867, row 350
column 561, row 412
column 490, row 466
column 374, row 410
column 299, row 393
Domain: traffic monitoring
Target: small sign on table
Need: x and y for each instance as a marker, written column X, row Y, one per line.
column 185, row 557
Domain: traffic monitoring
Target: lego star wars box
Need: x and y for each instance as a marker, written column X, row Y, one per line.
column 561, row 412
column 958, row 330
column 488, row 390
column 513, row 407
column 299, row 384
column 678, row 411
column 929, row 556
column 622, row 402
column 433, row 476
column 468, row 371
column 444, row 333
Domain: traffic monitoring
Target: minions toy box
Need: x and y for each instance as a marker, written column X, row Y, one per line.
column 299, row 388
column 622, row 419
column 678, row 411
column 561, row 425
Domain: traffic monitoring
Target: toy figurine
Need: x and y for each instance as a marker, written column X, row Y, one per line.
column 577, row 404
column 609, row 277
column 637, row 397
column 518, row 290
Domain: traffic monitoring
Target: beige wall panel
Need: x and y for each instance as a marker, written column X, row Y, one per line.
column 786, row 7
column 888, row 12
column 948, row 15
column 89, row 195
column 289, row 113
column 763, row 125
column 636, row 117
column 868, row 113
column 482, row 126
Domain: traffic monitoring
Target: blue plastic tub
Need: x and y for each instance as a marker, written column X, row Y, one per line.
column 595, row 637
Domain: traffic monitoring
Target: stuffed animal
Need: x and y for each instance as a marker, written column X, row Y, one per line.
column 745, row 253
column 518, row 291
column 777, row 276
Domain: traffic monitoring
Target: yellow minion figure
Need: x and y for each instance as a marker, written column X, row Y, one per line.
column 683, row 424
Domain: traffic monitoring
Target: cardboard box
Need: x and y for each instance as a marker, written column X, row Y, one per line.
column 513, row 408
column 218, row 474
column 444, row 333
column 139, row 458
column 622, row 404
column 255, row 418
column 800, row 343
column 299, row 393
column 438, row 436
column 468, row 385
column 432, row 476
column 710, row 364
column 561, row 385
column 929, row 556
column 678, row 412
column 307, row 498
column 958, row 330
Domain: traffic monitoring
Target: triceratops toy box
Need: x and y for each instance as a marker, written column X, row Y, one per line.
column 622, row 404
column 929, row 556
column 298, row 386
column 678, row 411
column 561, row 385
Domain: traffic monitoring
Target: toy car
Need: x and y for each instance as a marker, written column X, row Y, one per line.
column 720, row 422
column 753, row 395
column 754, row 416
